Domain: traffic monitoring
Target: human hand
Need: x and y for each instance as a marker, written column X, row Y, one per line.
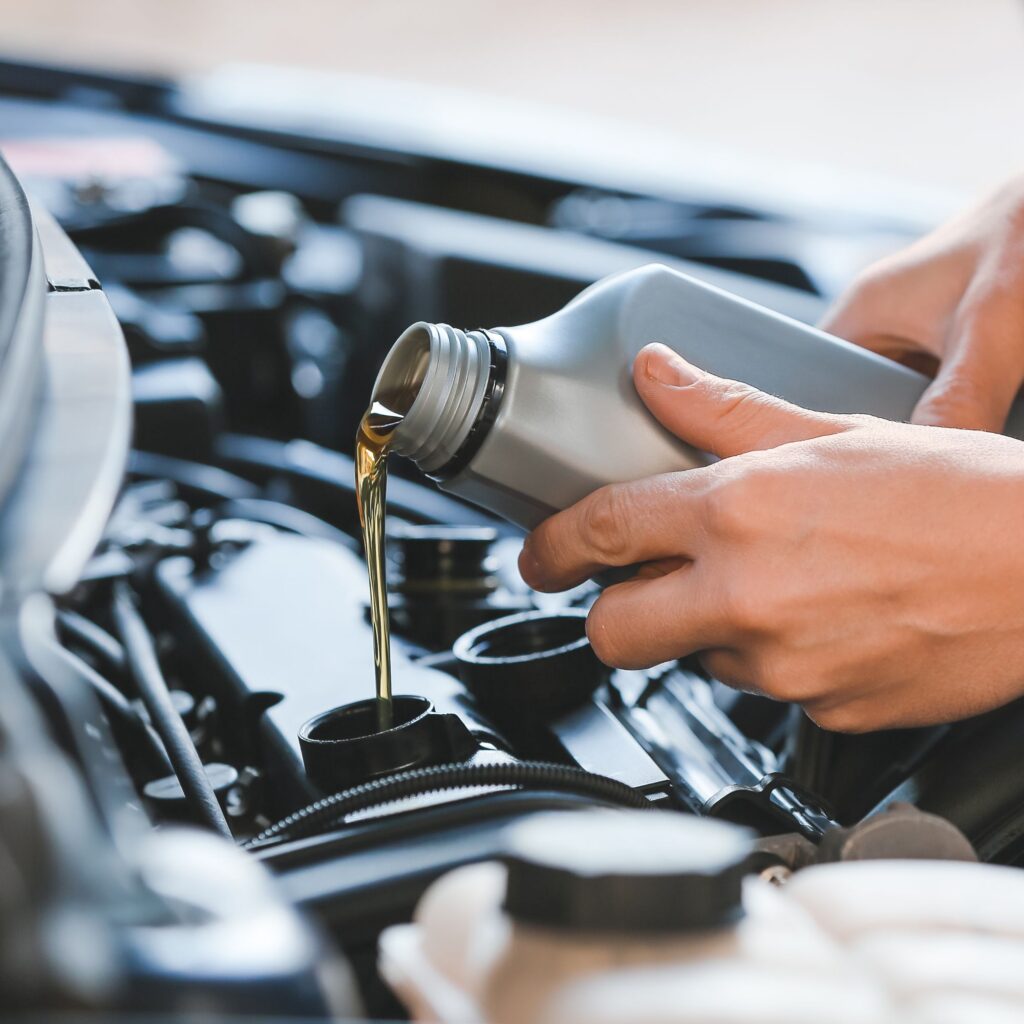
column 952, row 300
column 871, row 571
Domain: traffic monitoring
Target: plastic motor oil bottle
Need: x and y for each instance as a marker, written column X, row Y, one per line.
column 527, row 420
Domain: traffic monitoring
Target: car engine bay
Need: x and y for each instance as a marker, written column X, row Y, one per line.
column 259, row 273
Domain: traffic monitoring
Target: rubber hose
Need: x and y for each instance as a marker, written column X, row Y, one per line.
column 93, row 637
column 199, row 482
column 288, row 518
column 119, row 709
column 145, row 670
column 417, row 781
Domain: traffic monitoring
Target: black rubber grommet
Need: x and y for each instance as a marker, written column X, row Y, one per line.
column 346, row 746
column 534, row 663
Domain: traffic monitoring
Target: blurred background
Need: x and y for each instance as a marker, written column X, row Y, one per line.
column 929, row 91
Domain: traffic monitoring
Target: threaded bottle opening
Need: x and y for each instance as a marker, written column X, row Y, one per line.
column 402, row 372
column 436, row 377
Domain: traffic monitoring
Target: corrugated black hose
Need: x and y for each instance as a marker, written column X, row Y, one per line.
column 145, row 671
column 317, row 816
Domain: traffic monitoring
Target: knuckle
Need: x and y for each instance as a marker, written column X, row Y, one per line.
column 853, row 311
column 729, row 505
column 959, row 400
column 605, row 525
column 871, row 283
column 859, row 421
column 755, row 417
column 739, row 403
column 744, row 609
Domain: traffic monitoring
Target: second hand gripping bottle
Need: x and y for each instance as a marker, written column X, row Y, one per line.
column 526, row 421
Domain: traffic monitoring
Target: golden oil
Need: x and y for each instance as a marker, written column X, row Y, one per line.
column 372, row 443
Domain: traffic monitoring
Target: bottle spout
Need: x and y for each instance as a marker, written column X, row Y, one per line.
column 437, row 378
column 404, row 368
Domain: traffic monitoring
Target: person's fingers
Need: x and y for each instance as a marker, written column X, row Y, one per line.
column 855, row 319
column 660, row 567
column 645, row 622
column 905, row 351
column 899, row 307
column 983, row 368
column 871, row 312
column 731, row 667
column 660, row 517
column 717, row 415
column 618, row 525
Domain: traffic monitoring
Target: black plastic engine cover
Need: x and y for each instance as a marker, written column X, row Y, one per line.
column 280, row 632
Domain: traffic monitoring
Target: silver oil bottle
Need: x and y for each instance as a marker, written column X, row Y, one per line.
column 527, row 420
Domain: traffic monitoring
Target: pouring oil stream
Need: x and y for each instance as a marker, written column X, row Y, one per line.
column 373, row 441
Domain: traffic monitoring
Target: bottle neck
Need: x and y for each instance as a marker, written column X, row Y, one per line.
column 458, row 380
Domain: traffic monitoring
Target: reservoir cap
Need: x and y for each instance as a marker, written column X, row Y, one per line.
column 625, row 871
column 533, row 664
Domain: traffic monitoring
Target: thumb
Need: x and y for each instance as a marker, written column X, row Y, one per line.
column 982, row 372
column 717, row 415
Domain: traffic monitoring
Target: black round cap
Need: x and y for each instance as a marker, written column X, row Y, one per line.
column 533, row 663
column 347, row 746
column 437, row 554
column 625, row 871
